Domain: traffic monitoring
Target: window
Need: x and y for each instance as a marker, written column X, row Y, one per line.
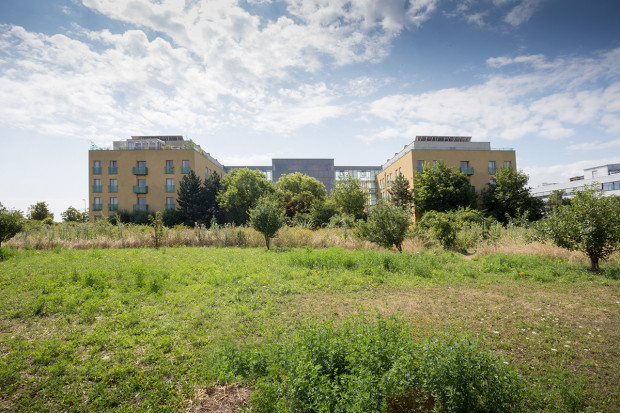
column 492, row 181
column 169, row 185
column 464, row 164
column 141, row 164
column 97, row 185
column 141, row 200
column 113, row 168
column 97, row 204
column 594, row 173
column 113, row 205
column 185, row 167
column 170, row 162
column 608, row 186
column 507, row 164
column 435, row 163
column 169, row 203
column 492, row 168
column 113, row 186
column 96, row 167
column 113, row 164
column 140, row 168
column 466, row 169
column 141, row 205
column 141, row 187
column 169, row 166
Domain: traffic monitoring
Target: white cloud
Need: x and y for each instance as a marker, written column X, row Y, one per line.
column 595, row 145
column 511, row 107
column 563, row 172
column 522, row 12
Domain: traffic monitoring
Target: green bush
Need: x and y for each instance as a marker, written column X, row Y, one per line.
column 373, row 366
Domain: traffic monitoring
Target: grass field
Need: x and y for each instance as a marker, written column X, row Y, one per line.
column 124, row 329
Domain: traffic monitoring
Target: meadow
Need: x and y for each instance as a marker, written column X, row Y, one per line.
column 138, row 328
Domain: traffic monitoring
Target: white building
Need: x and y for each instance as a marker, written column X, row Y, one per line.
column 605, row 178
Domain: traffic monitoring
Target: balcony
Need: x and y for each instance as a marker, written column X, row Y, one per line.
column 96, row 188
column 112, row 170
column 97, row 207
column 140, row 208
column 140, row 170
column 169, row 207
column 492, row 170
column 169, row 169
column 185, row 169
column 169, row 188
column 467, row 170
column 96, row 170
column 112, row 207
column 140, row 189
column 112, row 188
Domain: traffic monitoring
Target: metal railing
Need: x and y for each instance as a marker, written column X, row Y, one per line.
column 185, row 169
column 140, row 170
column 467, row 170
column 140, row 207
column 169, row 169
column 112, row 188
column 140, row 189
column 112, row 170
column 112, row 207
column 96, row 188
column 169, row 188
column 97, row 207
column 96, row 170
column 492, row 170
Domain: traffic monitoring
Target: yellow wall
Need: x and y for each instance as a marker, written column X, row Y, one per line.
column 155, row 178
column 479, row 160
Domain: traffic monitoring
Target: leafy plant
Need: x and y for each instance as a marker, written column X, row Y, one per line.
column 267, row 217
column 11, row 222
column 387, row 225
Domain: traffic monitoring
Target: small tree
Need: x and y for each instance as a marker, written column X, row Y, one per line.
column 39, row 211
column 349, row 196
column 157, row 231
column 300, row 192
column 191, row 199
column 387, row 225
column 590, row 223
column 555, row 200
column 402, row 195
column 439, row 188
column 72, row 215
column 267, row 217
column 241, row 189
column 509, row 197
column 11, row 223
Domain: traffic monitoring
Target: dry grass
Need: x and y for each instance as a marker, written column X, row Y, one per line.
column 221, row 399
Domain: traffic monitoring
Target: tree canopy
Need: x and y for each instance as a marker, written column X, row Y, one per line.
column 10, row 223
column 402, row 195
column 589, row 223
column 73, row 215
column 39, row 211
column 267, row 217
column 439, row 188
column 240, row 192
column 349, row 196
column 387, row 225
column 191, row 199
column 509, row 197
column 299, row 192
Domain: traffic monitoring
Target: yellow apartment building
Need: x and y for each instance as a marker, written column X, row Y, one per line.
column 476, row 159
column 143, row 173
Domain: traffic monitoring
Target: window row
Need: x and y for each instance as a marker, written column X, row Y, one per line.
column 140, row 204
column 140, row 168
column 139, row 188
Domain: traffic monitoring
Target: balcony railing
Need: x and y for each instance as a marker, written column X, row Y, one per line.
column 96, row 188
column 97, row 207
column 112, row 188
column 169, row 207
column 96, row 170
column 112, row 170
column 140, row 207
column 169, row 188
column 140, row 170
column 185, row 169
column 169, row 169
column 140, row 189
column 112, row 207
column 492, row 170
column 467, row 170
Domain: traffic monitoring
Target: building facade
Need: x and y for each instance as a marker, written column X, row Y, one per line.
column 605, row 178
column 143, row 173
column 477, row 160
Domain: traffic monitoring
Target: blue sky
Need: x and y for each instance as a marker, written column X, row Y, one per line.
column 350, row 80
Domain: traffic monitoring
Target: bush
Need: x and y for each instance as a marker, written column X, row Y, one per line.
column 443, row 226
column 387, row 225
column 373, row 366
column 267, row 217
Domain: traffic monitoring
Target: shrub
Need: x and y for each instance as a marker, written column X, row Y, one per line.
column 11, row 222
column 267, row 217
column 387, row 225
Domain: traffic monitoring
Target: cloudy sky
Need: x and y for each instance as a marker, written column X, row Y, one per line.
column 350, row 80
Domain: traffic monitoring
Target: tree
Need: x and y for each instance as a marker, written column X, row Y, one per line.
column 439, row 188
column 387, row 225
column 191, row 199
column 267, row 217
column 241, row 190
column 349, row 196
column 39, row 212
column 300, row 192
column 590, row 223
column 212, row 187
column 402, row 195
column 509, row 197
column 11, row 223
column 556, row 199
column 322, row 212
column 72, row 215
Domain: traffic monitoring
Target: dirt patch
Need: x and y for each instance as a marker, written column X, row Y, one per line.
column 221, row 399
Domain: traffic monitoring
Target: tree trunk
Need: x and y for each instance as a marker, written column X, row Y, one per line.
column 400, row 248
column 267, row 242
column 594, row 264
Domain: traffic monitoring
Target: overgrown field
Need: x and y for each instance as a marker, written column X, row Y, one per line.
column 126, row 329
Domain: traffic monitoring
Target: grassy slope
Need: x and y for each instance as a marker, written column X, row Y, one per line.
column 137, row 328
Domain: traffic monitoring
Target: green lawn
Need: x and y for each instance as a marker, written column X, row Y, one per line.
column 126, row 329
